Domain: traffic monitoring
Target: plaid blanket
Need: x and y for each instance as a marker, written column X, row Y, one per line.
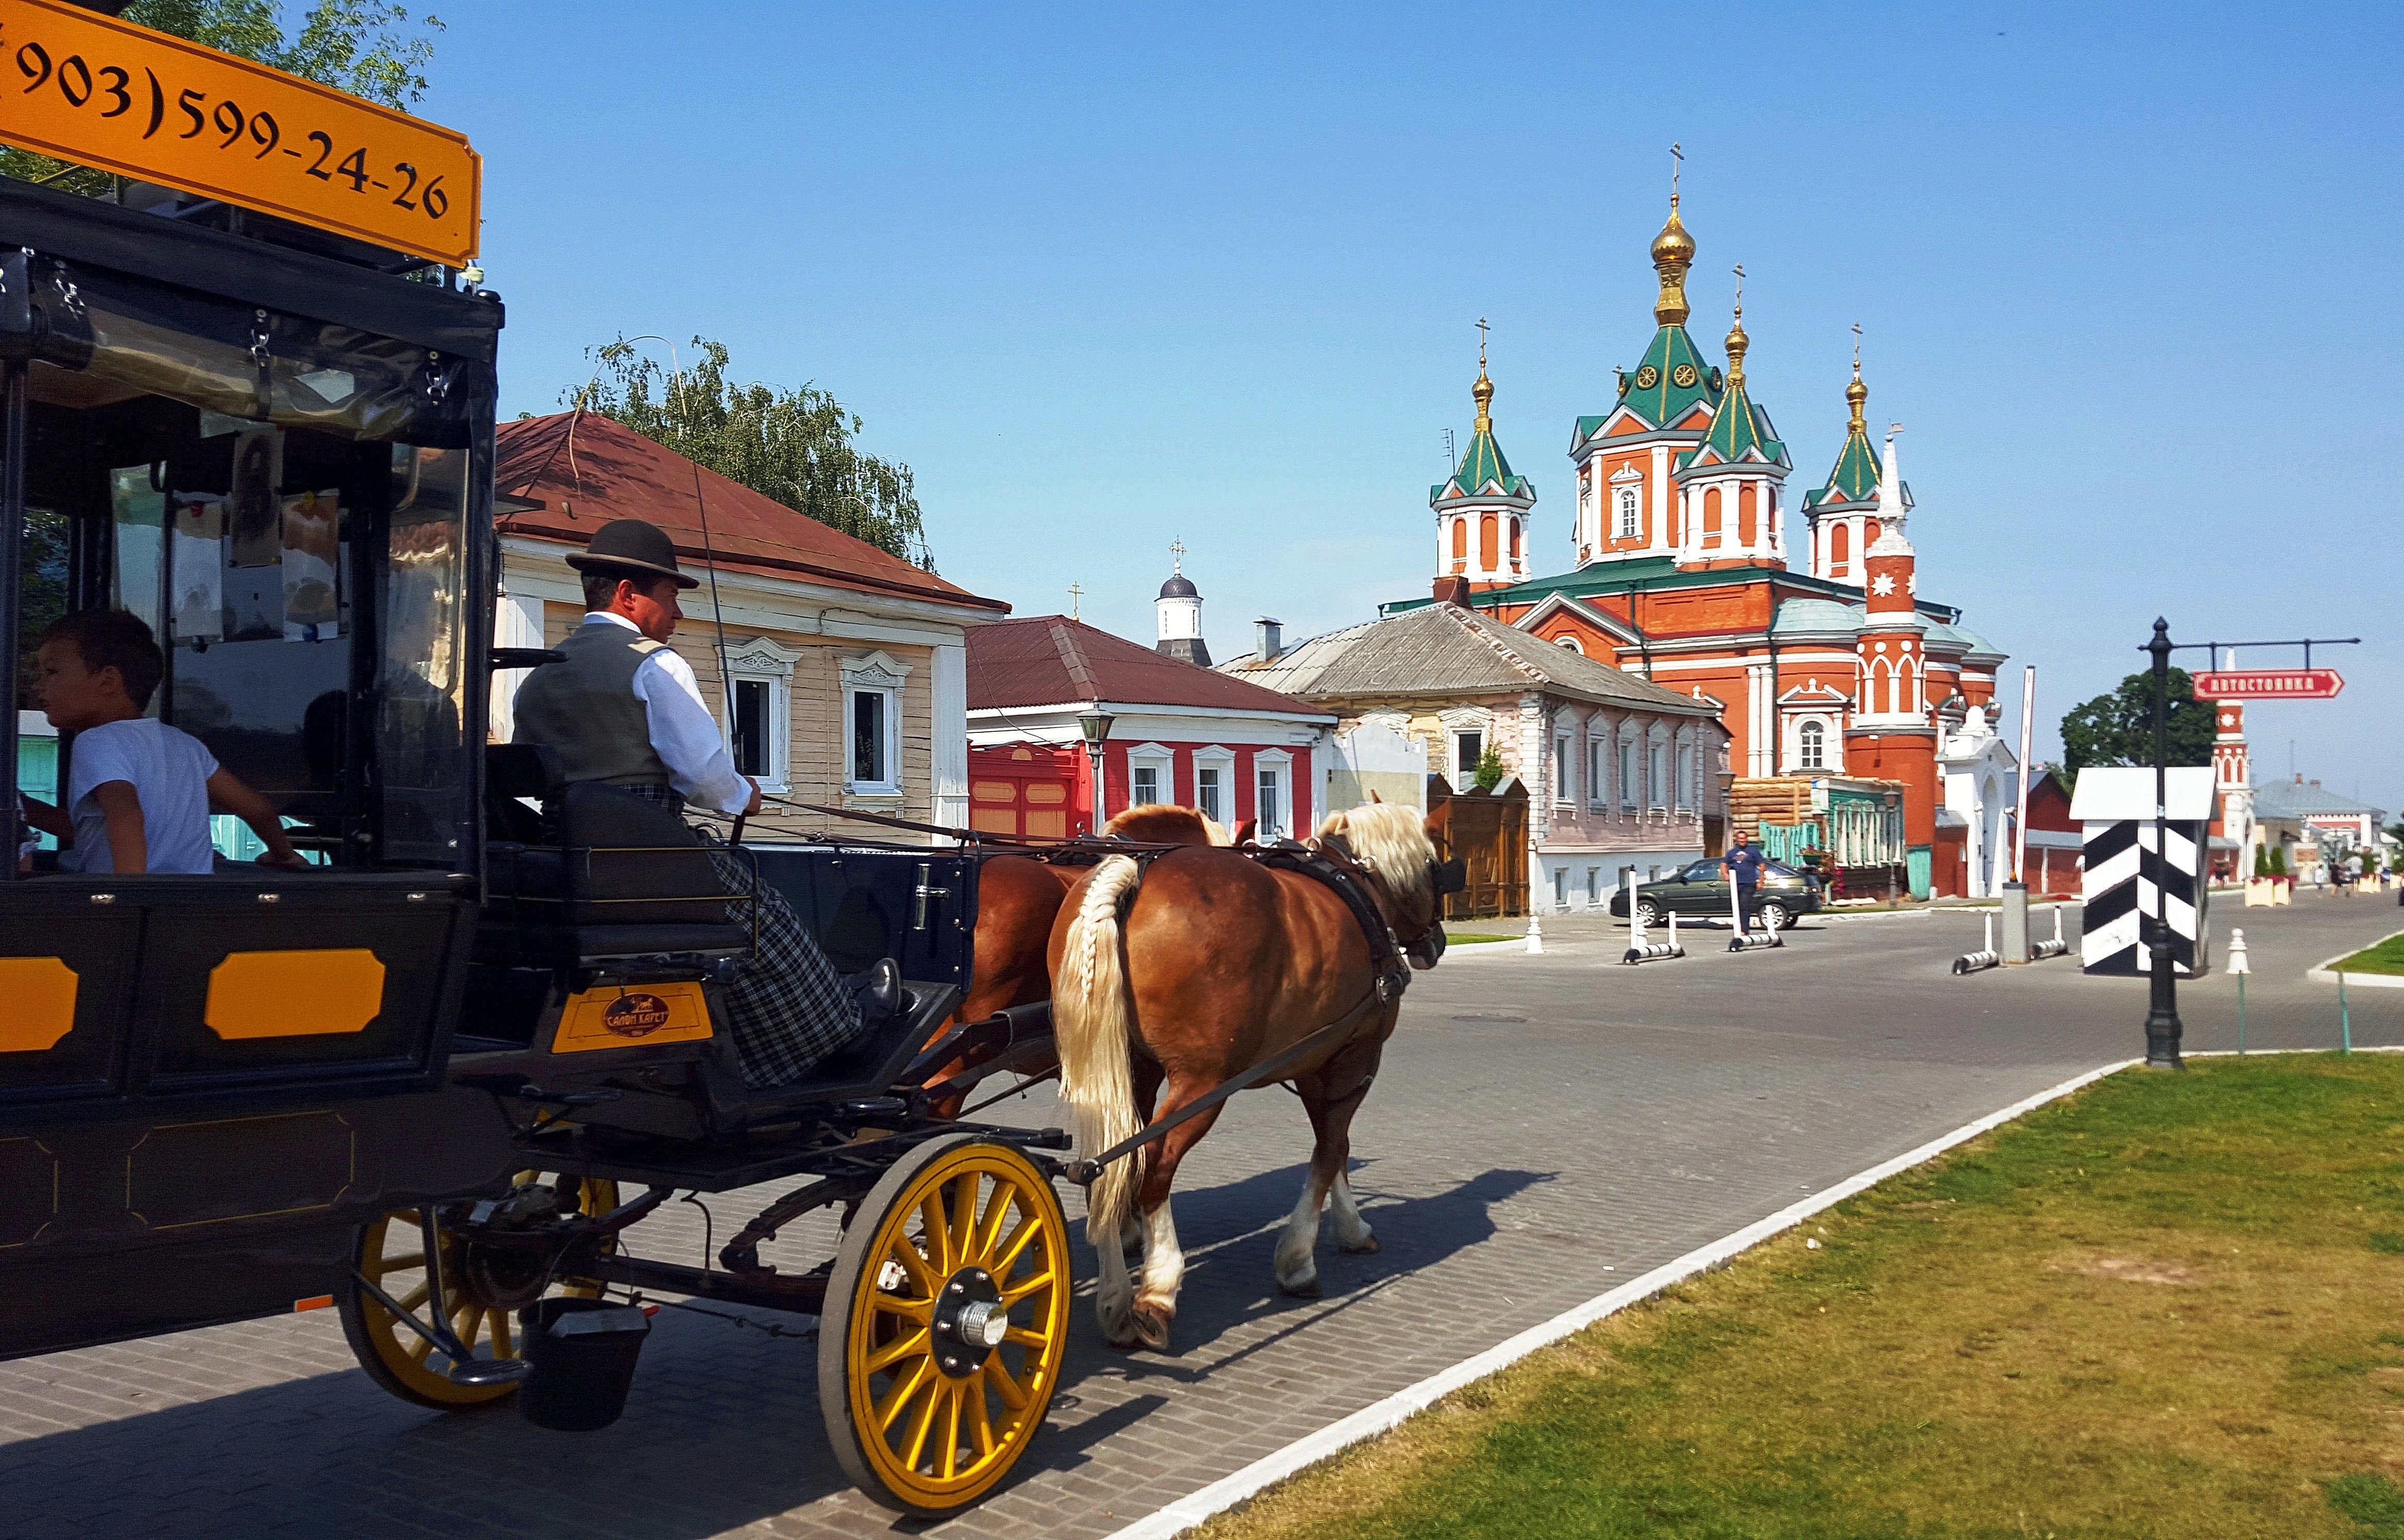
column 787, row 1009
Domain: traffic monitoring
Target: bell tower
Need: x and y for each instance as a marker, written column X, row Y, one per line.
column 1179, row 611
column 1482, row 512
column 1892, row 732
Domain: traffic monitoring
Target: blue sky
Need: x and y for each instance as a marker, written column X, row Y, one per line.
column 1108, row 277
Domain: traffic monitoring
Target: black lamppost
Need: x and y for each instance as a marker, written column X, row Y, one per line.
column 2163, row 1029
column 1095, row 727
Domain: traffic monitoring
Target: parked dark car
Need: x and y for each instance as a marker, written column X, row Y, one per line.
column 1700, row 889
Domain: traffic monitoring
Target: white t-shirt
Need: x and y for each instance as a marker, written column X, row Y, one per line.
column 169, row 771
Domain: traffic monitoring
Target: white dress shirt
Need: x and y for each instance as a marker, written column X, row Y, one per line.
column 681, row 730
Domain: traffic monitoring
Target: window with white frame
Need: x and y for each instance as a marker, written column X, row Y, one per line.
column 1593, row 886
column 1467, row 750
column 871, row 718
column 1562, row 791
column 1597, row 752
column 1274, row 794
column 1151, row 774
column 1656, row 789
column 1686, row 788
column 1214, row 784
column 1629, row 514
column 1630, row 773
column 1811, row 746
column 760, row 713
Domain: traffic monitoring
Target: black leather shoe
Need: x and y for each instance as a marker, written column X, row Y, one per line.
column 878, row 990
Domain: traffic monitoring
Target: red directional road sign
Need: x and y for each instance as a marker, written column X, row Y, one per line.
column 2270, row 684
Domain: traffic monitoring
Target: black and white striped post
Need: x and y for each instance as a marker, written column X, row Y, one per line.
column 1639, row 949
column 2163, row 1029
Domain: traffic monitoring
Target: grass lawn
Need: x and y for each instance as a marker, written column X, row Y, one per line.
column 2386, row 958
column 1470, row 938
column 2172, row 1306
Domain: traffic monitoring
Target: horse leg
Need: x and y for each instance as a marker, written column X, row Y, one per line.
column 1331, row 1123
column 1164, row 1262
column 1148, row 1075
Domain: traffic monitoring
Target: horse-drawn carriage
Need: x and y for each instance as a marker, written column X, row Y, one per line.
column 434, row 1080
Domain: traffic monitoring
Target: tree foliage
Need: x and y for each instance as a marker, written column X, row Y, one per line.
column 793, row 446
column 2118, row 728
column 371, row 49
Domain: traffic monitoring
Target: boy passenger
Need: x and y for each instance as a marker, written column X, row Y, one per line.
column 138, row 792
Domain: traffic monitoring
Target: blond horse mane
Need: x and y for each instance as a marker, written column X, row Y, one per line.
column 1391, row 840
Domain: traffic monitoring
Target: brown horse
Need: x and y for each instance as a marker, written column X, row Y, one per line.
column 1219, row 963
column 1019, row 897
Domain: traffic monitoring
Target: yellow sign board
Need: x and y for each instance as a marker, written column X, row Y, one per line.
column 90, row 89
column 631, row 1017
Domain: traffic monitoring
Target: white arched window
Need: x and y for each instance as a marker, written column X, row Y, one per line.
column 1627, row 514
column 1572, row 643
column 1811, row 746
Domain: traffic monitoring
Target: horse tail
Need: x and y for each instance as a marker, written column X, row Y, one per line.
column 1092, row 1027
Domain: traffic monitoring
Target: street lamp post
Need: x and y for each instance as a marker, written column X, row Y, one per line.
column 1095, row 725
column 2163, row 1029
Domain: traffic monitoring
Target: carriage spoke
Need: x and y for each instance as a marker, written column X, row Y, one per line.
column 504, row 1345
column 1028, row 1228
column 913, row 1262
column 905, row 1391
column 996, row 1214
column 979, row 1422
column 1014, row 1395
column 409, row 1263
column 925, row 1423
column 420, row 1351
column 415, row 1296
column 961, row 1238
column 950, row 1464
column 897, row 1350
column 920, row 1310
column 1026, row 1338
column 938, row 1236
column 1018, row 1291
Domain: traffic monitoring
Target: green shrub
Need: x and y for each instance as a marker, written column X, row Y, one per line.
column 2278, row 860
column 1489, row 771
column 2261, row 861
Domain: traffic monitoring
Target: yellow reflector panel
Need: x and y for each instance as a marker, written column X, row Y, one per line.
column 41, row 996
column 294, row 994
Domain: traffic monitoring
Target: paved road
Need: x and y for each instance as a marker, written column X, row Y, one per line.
column 1545, row 1129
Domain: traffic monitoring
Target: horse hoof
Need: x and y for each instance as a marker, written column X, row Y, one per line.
column 1306, row 1289
column 1364, row 1247
column 1152, row 1326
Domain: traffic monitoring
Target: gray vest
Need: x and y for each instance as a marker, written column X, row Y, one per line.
column 585, row 711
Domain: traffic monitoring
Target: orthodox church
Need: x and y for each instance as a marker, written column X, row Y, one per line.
column 1831, row 668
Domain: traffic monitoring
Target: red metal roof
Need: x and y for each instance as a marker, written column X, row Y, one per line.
column 1051, row 660
column 583, row 471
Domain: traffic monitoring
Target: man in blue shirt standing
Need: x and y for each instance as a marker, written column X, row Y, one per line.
column 1743, row 866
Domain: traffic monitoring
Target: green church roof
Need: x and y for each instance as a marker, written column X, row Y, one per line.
column 1855, row 479
column 1481, row 465
column 1739, row 427
column 1670, row 381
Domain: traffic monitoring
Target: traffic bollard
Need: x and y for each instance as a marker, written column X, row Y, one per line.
column 2240, row 966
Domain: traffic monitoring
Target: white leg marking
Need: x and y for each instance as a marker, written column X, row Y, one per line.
column 1295, row 1267
column 1352, row 1232
column 1115, row 1293
column 1164, row 1262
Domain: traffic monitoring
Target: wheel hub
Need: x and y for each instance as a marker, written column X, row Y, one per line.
column 971, row 1322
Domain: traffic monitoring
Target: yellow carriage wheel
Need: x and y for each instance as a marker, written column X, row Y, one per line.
column 945, row 1325
column 480, row 1304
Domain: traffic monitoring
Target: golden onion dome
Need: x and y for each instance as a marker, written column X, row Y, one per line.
column 1483, row 394
column 1673, row 244
column 1855, row 394
column 1673, row 251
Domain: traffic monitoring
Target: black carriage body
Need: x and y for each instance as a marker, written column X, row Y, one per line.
column 209, row 1082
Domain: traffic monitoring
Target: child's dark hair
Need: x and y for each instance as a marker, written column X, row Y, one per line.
column 112, row 638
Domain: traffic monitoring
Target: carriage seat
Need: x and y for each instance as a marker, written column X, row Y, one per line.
column 616, row 877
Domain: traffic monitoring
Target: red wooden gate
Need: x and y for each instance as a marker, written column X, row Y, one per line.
column 1027, row 789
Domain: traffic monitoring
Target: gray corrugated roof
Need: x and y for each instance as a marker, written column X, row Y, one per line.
column 1444, row 650
column 2285, row 799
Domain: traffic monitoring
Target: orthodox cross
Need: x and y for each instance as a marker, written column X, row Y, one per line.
column 1857, row 347
column 1076, row 598
column 1677, row 163
column 1740, row 289
column 1481, row 345
column 1177, row 553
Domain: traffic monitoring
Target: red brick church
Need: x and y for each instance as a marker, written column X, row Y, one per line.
column 1831, row 667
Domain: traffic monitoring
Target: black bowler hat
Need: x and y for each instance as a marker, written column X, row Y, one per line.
column 632, row 546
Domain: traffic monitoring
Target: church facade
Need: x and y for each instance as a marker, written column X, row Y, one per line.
column 1821, row 659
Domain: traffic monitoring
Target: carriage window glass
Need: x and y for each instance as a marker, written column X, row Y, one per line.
column 1207, row 792
column 137, row 520
column 423, row 670
column 750, row 726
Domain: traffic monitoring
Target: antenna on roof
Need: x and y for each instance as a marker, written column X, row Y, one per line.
column 1451, row 459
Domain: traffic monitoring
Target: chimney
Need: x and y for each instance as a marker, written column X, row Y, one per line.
column 1271, row 639
column 1452, row 590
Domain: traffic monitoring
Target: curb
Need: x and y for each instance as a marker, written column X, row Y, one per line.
column 2323, row 973
column 1371, row 1420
